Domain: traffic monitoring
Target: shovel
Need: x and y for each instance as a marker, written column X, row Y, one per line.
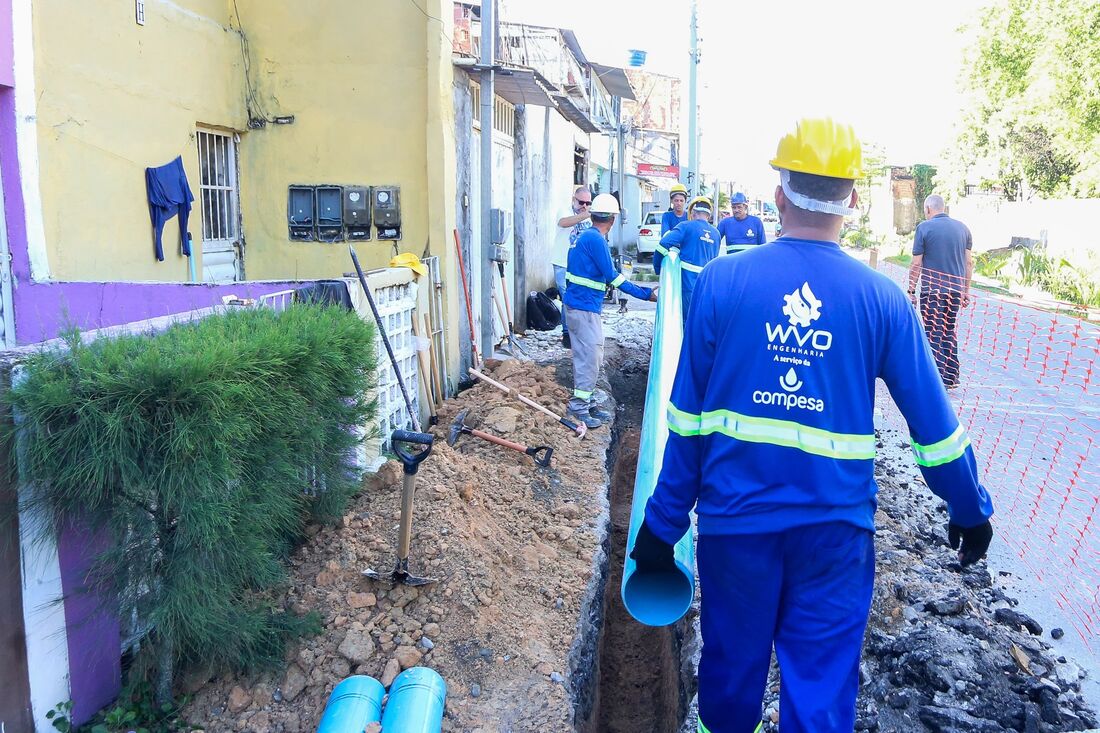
column 411, row 462
column 459, row 427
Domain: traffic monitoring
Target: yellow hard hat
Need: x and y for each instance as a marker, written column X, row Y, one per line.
column 821, row 147
column 678, row 188
column 409, row 260
column 700, row 200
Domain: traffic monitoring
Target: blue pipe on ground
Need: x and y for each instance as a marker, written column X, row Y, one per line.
column 659, row 599
column 353, row 704
column 416, row 702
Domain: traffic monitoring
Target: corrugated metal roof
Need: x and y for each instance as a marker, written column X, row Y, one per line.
column 614, row 80
column 574, row 114
column 522, row 86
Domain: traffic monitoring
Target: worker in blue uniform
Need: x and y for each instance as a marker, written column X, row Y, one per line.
column 741, row 231
column 676, row 214
column 698, row 243
column 588, row 272
column 772, row 442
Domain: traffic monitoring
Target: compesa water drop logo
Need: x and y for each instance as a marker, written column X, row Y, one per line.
column 790, row 381
column 787, row 399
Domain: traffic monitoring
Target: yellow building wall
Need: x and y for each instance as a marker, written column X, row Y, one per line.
column 114, row 98
column 368, row 83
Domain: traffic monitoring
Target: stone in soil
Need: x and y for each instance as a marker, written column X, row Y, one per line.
column 357, row 647
column 293, row 683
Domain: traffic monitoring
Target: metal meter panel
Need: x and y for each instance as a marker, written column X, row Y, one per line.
column 330, row 213
column 357, row 208
column 387, row 211
column 300, row 213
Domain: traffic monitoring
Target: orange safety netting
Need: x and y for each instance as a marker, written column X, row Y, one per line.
column 1028, row 393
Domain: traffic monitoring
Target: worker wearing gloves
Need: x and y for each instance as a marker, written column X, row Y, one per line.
column 588, row 272
column 772, row 441
column 697, row 242
column 678, row 196
column 741, row 231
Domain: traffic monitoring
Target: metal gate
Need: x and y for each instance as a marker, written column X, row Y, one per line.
column 219, row 201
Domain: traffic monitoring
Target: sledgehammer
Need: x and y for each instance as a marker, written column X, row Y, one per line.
column 459, row 427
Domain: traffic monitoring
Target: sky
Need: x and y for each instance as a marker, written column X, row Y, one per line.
column 890, row 69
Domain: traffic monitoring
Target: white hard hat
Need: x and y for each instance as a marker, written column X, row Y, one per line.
column 605, row 204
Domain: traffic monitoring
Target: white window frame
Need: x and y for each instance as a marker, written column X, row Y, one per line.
column 219, row 198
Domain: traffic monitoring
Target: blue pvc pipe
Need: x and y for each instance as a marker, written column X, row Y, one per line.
column 353, row 704
column 659, row 599
column 416, row 702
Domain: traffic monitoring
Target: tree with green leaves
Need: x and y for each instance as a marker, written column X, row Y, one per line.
column 1032, row 123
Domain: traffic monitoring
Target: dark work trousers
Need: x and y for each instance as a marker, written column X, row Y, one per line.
column 939, row 309
column 806, row 592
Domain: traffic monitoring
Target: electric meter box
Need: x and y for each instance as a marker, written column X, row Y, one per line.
column 387, row 211
column 500, row 225
column 299, row 213
column 357, row 212
column 330, row 213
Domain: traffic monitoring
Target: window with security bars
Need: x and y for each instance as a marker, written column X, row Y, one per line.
column 218, row 188
column 504, row 112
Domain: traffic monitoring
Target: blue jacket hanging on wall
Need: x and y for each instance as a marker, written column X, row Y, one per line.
column 169, row 195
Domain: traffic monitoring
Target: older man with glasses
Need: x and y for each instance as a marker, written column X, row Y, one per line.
column 741, row 231
column 571, row 222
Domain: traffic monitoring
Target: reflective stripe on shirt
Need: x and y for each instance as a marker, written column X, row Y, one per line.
column 775, row 432
column 945, row 451
column 594, row 284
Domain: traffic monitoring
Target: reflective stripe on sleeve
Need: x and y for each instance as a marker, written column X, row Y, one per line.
column 577, row 279
column 663, row 250
column 949, row 449
column 785, row 433
column 618, row 280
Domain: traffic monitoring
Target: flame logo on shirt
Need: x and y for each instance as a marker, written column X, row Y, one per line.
column 802, row 306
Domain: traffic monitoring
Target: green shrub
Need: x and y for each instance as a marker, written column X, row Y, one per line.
column 197, row 456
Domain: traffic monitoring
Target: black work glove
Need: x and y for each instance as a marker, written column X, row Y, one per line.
column 975, row 541
column 651, row 553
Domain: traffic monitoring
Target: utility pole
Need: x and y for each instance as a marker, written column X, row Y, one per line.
column 488, row 46
column 622, row 173
column 693, row 103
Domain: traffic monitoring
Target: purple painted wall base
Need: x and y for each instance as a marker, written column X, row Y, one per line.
column 93, row 636
column 44, row 310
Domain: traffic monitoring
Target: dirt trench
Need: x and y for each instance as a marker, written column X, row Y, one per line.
column 638, row 683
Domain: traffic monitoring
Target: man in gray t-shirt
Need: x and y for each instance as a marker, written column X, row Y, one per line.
column 943, row 265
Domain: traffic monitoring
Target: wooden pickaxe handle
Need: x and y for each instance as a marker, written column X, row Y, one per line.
column 579, row 429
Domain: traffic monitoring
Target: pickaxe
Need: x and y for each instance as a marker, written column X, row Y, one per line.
column 459, row 427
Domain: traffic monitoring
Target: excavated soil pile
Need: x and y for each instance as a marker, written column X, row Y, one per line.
column 513, row 547
column 945, row 650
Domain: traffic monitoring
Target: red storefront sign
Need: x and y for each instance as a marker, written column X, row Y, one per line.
column 658, row 171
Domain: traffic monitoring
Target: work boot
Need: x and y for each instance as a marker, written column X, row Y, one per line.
column 601, row 414
column 565, row 340
column 586, row 418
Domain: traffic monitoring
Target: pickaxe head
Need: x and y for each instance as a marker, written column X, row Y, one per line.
column 457, row 426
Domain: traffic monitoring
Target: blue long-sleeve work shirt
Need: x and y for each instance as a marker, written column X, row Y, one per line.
column 698, row 242
column 741, row 235
column 771, row 418
column 589, row 271
column 669, row 220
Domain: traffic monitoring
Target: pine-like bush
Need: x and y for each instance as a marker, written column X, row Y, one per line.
column 196, row 456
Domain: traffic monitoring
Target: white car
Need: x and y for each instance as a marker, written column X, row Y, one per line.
column 649, row 235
